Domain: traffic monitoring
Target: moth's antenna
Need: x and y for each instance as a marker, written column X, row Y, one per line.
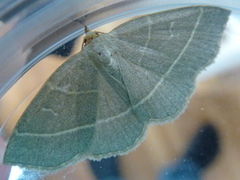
column 86, row 28
column 82, row 23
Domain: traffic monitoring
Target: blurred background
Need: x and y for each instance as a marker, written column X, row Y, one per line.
column 23, row 45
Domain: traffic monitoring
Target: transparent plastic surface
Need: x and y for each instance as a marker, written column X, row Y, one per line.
column 30, row 30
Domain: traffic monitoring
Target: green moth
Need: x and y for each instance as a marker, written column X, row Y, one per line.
column 100, row 102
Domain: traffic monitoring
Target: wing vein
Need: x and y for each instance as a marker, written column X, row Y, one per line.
column 77, row 128
column 148, row 39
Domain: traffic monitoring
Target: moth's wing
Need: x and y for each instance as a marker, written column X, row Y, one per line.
column 163, row 53
column 58, row 125
column 76, row 115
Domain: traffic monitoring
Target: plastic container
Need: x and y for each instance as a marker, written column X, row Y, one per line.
column 30, row 30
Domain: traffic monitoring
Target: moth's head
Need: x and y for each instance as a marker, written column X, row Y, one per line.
column 90, row 35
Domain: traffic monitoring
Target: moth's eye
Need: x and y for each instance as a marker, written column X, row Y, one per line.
column 99, row 54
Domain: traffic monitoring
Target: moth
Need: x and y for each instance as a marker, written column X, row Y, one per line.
column 100, row 102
